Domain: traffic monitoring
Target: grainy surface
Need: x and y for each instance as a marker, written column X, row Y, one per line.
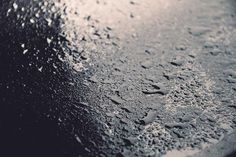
column 117, row 78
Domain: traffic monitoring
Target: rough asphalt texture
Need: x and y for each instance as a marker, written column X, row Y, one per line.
column 117, row 78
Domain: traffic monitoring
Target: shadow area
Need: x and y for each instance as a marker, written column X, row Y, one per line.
column 232, row 154
column 41, row 113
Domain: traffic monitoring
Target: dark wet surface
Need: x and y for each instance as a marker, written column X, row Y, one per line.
column 42, row 109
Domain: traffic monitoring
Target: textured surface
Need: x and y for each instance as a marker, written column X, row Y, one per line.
column 117, row 78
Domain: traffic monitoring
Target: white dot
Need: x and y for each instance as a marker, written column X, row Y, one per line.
column 25, row 51
column 15, row 6
column 40, row 69
column 32, row 21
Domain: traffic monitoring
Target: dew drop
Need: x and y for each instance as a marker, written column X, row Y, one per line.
column 25, row 51
column 15, row 6
column 49, row 40
column 32, row 21
column 40, row 69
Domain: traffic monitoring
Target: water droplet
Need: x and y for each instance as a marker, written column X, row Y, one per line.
column 15, row 6
column 32, row 21
column 60, row 58
column 25, row 51
column 49, row 40
column 78, row 139
column 49, row 22
column 59, row 119
column 8, row 11
column 37, row 15
column 40, row 69
column 54, row 66
column 18, row 16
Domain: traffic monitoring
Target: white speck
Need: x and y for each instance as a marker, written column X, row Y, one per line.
column 23, row 9
column 8, row 11
column 37, row 15
column 32, row 21
column 53, row 9
column 60, row 58
column 71, row 83
column 54, row 66
column 110, row 131
column 45, row 3
column 23, row 45
column 18, row 16
column 49, row 40
column 25, row 51
column 40, row 69
column 78, row 139
column 15, row 6
column 23, row 24
column 49, row 22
